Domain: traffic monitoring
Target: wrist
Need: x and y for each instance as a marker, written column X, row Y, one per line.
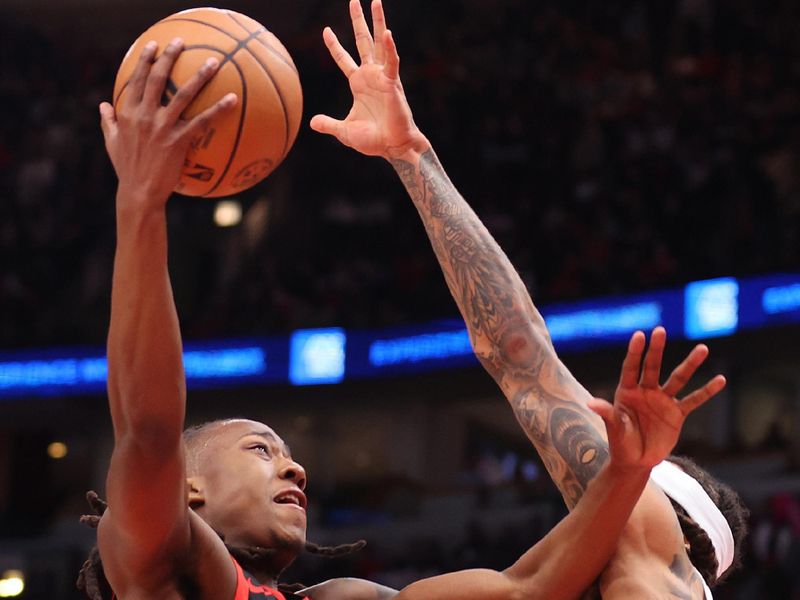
column 140, row 197
column 137, row 212
column 410, row 152
column 627, row 470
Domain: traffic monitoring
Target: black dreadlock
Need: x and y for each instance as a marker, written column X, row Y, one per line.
column 92, row 579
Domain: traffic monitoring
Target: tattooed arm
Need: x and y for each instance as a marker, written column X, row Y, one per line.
column 507, row 332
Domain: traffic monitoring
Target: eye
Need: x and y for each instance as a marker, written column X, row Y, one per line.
column 261, row 449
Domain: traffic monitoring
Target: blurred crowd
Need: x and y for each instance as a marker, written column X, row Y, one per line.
column 609, row 147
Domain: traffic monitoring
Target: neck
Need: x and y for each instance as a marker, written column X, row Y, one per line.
column 265, row 564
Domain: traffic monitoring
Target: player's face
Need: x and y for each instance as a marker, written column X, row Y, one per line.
column 253, row 489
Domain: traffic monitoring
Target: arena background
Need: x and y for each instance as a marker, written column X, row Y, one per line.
column 611, row 148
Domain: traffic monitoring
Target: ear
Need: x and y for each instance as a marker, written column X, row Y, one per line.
column 196, row 488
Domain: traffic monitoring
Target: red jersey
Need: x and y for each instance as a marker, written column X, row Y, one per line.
column 248, row 588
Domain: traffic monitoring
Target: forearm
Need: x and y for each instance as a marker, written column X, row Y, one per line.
column 509, row 336
column 573, row 554
column 504, row 328
column 146, row 379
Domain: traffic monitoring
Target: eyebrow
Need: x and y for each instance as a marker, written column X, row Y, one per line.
column 271, row 437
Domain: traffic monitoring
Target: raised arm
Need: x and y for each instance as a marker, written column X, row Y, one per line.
column 147, row 519
column 508, row 334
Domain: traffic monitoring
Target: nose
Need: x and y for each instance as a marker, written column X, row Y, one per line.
column 294, row 472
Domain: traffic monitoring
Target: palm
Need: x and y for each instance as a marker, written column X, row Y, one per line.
column 380, row 121
column 646, row 418
column 380, row 117
column 658, row 423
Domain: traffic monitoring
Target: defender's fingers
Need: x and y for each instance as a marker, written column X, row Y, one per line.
column 328, row 125
column 603, row 409
column 201, row 121
column 378, row 27
column 701, row 396
column 684, row 371
column 364, row 41
column 108, row 119
column 139, row 77
column 190, row 89
column 652, row 360
column 391, row 65
column 340, row 56
column 629, row 374
column 157, row 80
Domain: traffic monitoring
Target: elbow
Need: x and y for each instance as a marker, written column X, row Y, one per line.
column 523, row 346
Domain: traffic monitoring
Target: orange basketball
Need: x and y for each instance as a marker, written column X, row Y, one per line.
column 243, row 146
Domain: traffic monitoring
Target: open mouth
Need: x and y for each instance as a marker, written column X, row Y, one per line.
column 292, row 497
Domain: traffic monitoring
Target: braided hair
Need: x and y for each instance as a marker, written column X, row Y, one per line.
column 92, row 579
column 701, row 550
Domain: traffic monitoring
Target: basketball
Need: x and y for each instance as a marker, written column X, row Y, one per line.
column 243, row 146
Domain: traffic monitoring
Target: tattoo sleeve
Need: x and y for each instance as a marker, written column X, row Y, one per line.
column 508, row 334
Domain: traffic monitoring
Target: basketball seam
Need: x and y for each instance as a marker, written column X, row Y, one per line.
column 269, row 47
column 281, row 100
column 242, row 113
column 235, row 20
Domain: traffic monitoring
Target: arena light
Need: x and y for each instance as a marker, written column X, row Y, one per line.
column 781, row 299
column 12, row 584
column 603, row 322
column 317, row 356
column 416, row 348
column 701, row 309
column 57, row 450
column 228, row 213
column 711, row 308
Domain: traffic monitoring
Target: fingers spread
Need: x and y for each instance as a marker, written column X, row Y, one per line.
column 391, row 67
column 701, row 396
column 139, row 77
column 328, row 125
column 340, row 56
column 189, row 90
column 378, row 26
column 684, row 371
column 201, row 121
column 361, row 30
column 157, row 80
column 633, row 360
column 652, row 361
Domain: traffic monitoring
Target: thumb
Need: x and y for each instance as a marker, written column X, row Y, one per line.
column 328, row 125
column 108, row 119
column 605, row 410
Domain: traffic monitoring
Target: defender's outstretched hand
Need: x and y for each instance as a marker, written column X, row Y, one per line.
column 645, row 421
column 380, row 122
column 147, row 142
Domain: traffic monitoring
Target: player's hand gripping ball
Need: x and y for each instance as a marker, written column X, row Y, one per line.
column 242, row 146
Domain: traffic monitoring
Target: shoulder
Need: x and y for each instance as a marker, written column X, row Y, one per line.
column 654, row 527
column 204, row 561
column 347, row 588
